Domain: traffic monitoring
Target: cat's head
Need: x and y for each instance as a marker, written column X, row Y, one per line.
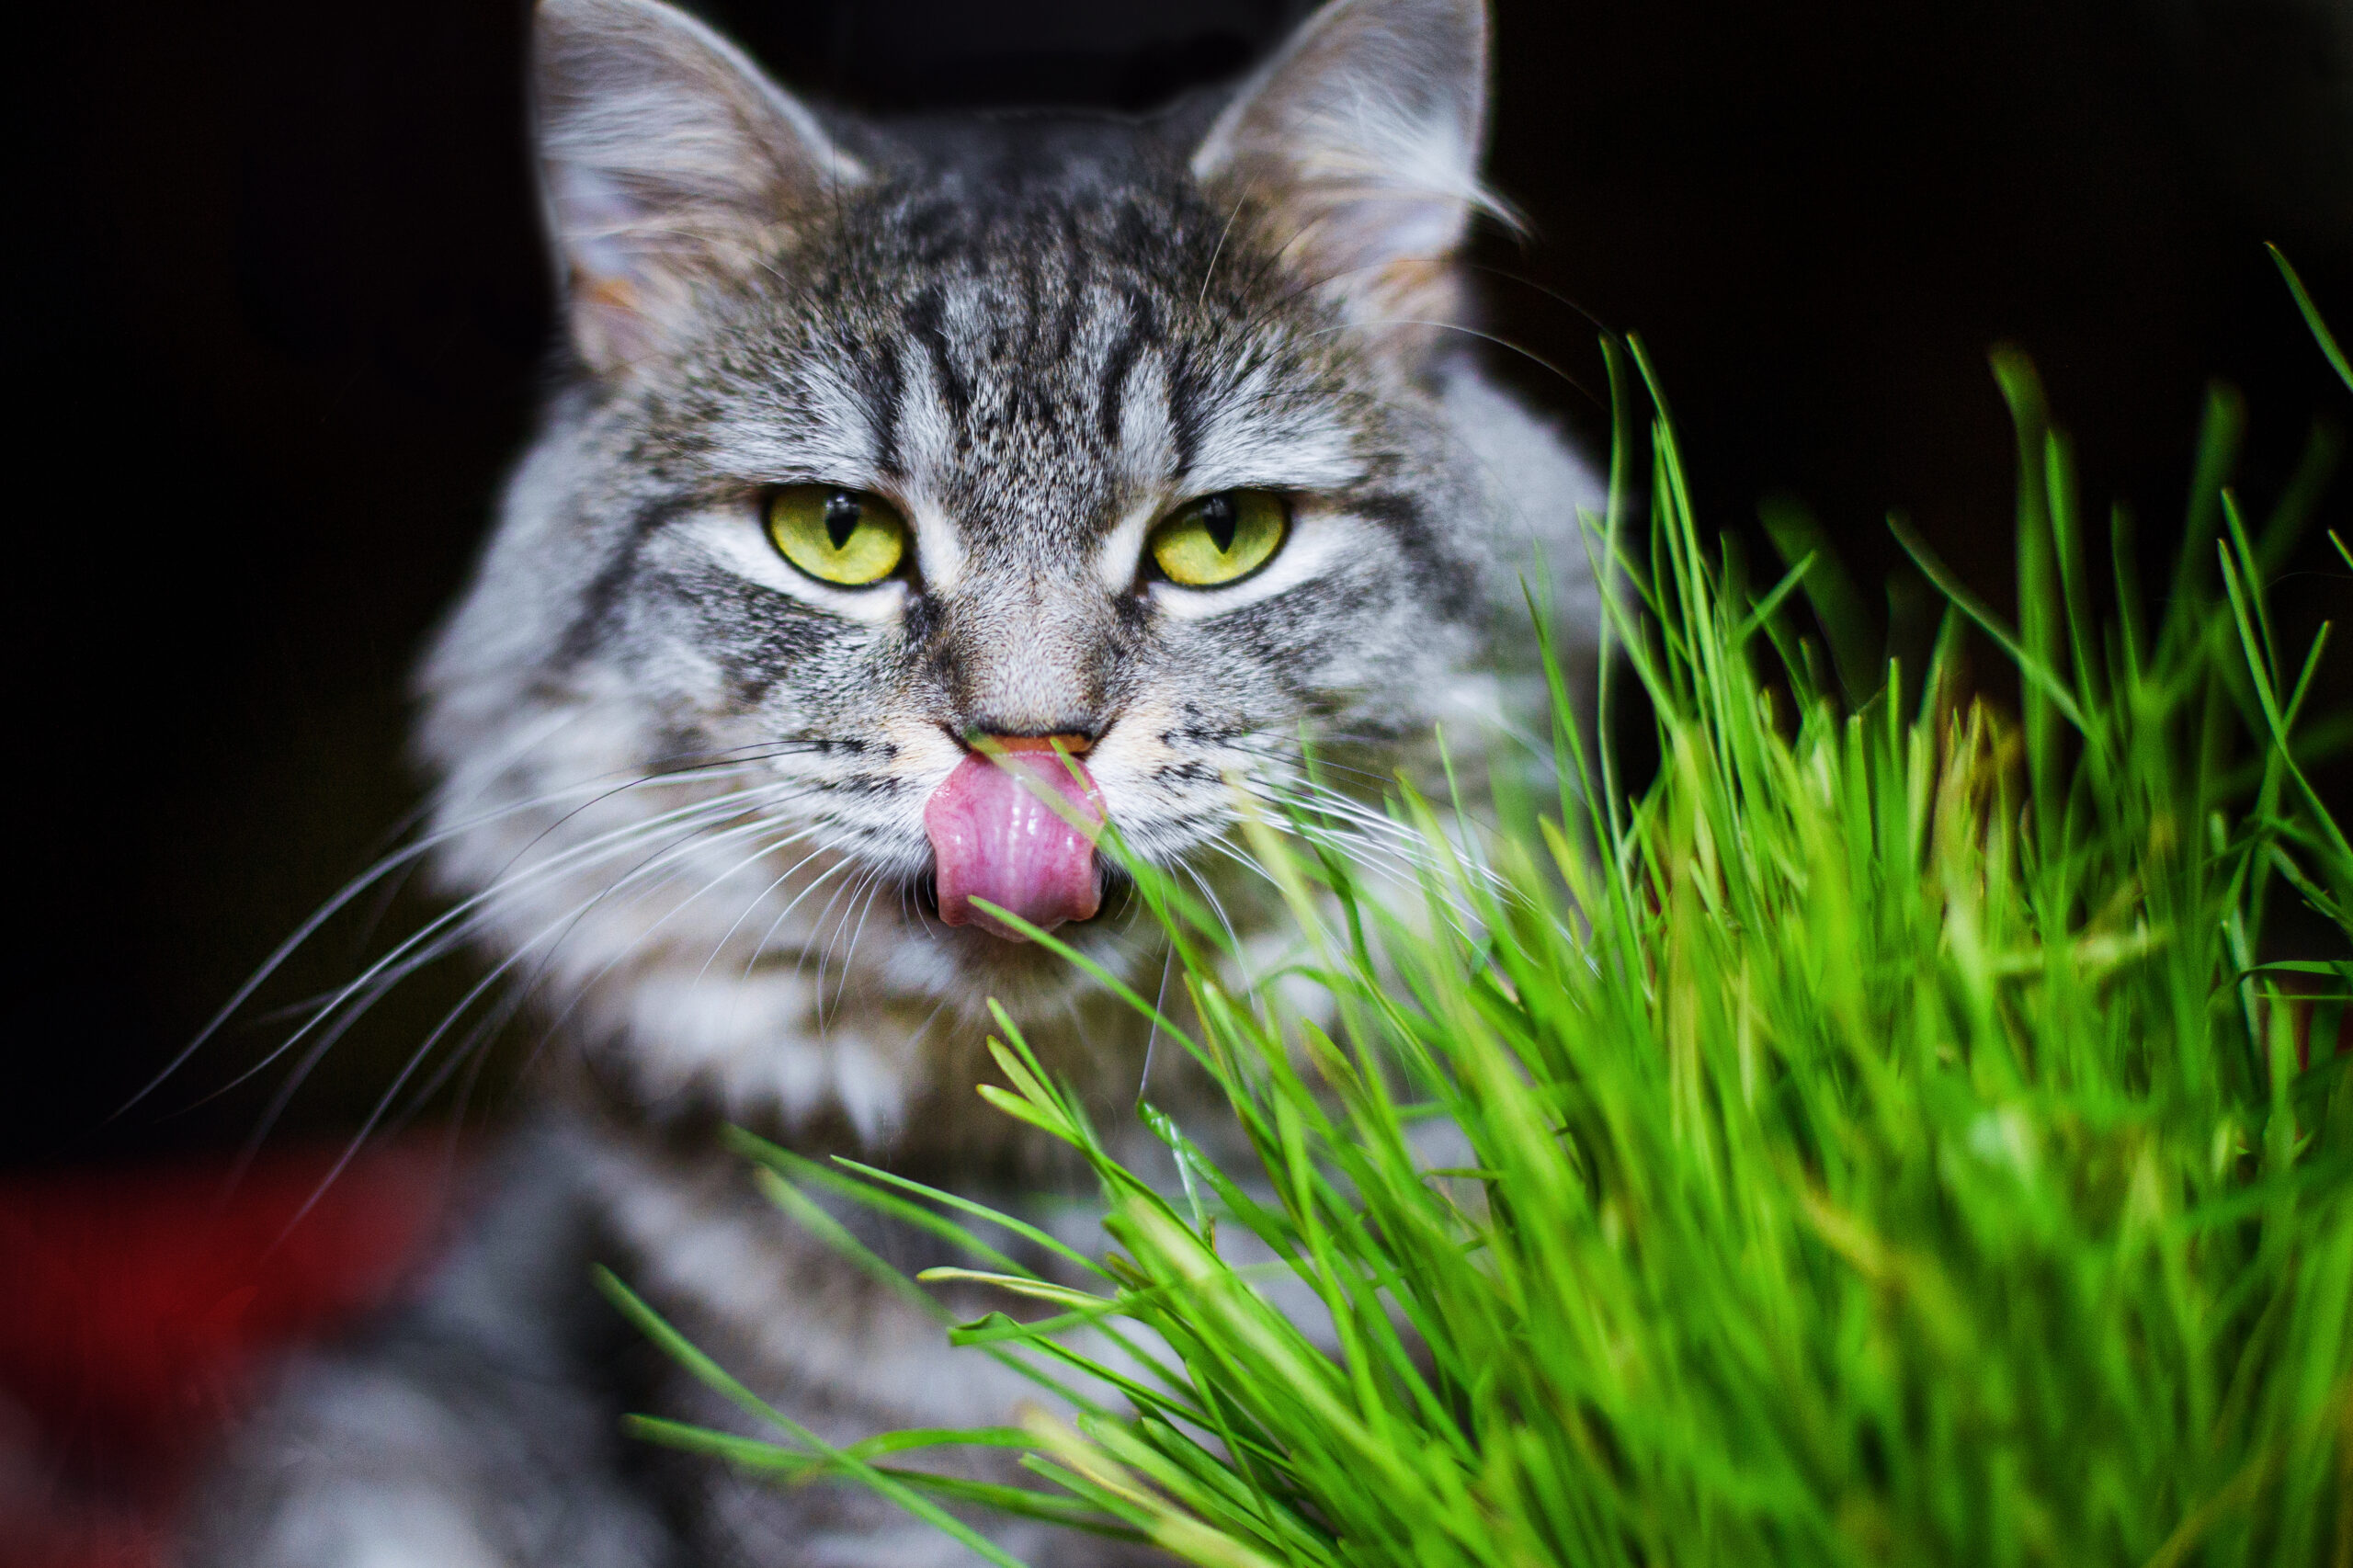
column 1135, row 446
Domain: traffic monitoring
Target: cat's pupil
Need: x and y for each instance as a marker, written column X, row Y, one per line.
column 1217, row 517
column 842, row 513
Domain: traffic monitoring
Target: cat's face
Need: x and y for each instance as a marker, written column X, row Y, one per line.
column 891, row 447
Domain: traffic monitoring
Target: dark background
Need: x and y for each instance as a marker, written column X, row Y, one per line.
column 279, row 312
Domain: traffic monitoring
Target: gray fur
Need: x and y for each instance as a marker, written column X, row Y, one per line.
column 682, row 784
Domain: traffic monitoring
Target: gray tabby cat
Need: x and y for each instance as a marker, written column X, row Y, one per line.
column 920, row 494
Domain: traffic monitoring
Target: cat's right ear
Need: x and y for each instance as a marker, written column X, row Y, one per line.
column 666, row 160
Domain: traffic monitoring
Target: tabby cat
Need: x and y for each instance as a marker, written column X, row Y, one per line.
column 916, row 495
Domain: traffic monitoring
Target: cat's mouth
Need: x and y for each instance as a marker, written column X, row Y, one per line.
column 1012, row 836
column 1114, row 893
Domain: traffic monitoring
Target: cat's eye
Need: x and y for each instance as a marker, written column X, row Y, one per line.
column 848, row 538
column 1216, row 540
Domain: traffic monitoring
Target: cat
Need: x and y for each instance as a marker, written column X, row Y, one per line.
column 915, row 496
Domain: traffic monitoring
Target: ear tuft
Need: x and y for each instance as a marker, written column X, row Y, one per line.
column 667, row 159
column 1359, row 143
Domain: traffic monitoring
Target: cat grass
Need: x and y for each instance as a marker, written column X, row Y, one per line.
column 1892, row 1130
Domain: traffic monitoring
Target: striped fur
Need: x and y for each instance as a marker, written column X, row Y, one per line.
column 682, row 783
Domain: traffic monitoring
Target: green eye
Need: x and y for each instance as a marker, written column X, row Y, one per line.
column 845, row 536
column 1219, row 539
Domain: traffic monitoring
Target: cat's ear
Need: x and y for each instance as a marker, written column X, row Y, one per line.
column 1359, row 143
column 667, row 159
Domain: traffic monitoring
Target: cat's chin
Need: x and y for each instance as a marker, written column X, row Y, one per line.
column 969, row 965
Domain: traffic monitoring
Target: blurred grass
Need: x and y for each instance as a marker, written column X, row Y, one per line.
column 1888, row 1136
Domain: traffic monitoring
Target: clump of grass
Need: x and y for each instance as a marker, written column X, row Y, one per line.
column 1888, row 1136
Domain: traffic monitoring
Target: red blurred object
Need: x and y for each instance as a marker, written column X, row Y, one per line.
column 138, row 1308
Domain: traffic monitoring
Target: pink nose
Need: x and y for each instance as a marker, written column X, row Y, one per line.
column 1016, row 830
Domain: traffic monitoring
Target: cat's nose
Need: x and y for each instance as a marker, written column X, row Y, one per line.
column 1027, row 660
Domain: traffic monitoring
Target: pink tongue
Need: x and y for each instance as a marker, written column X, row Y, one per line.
column 995, row 838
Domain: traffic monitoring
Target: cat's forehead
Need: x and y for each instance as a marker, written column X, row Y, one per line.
column 1052, row 343
column 1025, row 215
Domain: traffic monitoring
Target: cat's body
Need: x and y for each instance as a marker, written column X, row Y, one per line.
column 718, row 813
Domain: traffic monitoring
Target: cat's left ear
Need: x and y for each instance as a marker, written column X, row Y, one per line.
column 669, row 161
column 1358, row 144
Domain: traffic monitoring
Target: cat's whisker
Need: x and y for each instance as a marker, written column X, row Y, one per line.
column 470, row 1054
column 1209, row 893
column 458, row 924
column 772, row 788
column 476, row 1056
column 751, row 959
column 819, row 880
column 1377, row 832
column 367, row 1129
column 643, row 937
column 349, row 1006
column 849, row 954
column 489, row 985
column 719, row 947
column 826, row 951
column 467, row 1057
column 864, row 885
column 1326, row 812
column 583, row 990
column 1293, row 759
column 399, row 861
column 666, row 862
column 600, row 791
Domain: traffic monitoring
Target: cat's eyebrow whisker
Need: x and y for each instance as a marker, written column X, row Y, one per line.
column 1210, row 271
column 1526, row 353
column 1307, row 285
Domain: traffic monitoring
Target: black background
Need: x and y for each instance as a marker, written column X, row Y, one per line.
column 279, row 312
